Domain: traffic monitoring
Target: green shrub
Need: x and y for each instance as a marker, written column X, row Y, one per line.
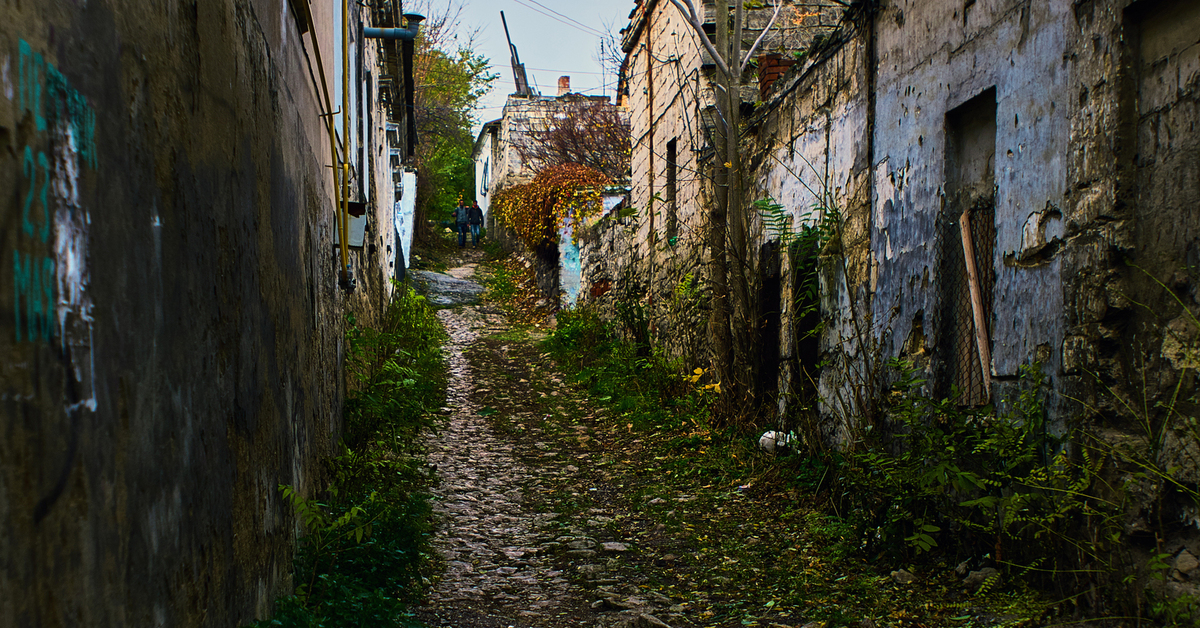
column 395, row 374
column 366, row 544
column 631, row 376
column 973, row 482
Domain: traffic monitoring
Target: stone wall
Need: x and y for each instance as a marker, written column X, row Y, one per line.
column 1052, row 143
column 1063, row 129
column 668, row 91
column 170, row 322
column 810, row 152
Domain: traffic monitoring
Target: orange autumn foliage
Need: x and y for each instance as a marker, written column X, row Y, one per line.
column 535, row 210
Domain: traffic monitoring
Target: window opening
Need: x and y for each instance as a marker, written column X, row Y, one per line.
column 968, row 243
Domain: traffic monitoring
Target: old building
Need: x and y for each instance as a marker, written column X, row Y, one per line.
column 1061, row 129
column 505, row 154
column 1005, row 185
column 660, row 256
column 171, row 321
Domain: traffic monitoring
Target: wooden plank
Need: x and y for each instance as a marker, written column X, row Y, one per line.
column 981, row 332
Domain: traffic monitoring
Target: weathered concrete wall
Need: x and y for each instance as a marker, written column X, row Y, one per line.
column 810, row 149
column 170, row 323
column 1016, row 49
column 1066, row 128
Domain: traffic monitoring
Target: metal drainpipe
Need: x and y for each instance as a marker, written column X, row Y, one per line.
column 408, row 33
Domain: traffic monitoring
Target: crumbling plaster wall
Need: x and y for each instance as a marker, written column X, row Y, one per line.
column 810, row 146
column 1092, row 167
column 934, row 57
column 375, row 262
column 170, row 323
column 1073, row 154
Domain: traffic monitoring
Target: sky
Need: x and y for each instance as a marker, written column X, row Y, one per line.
column 549, row 44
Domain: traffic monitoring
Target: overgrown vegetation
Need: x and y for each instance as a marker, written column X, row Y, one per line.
column 973, row 484
column 630, row 376
column 364, row 552
column 755, row 540
column 535, row 210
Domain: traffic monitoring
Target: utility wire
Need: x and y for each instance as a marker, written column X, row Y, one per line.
column 582, row 29
column 585, row 26
column 505, row 67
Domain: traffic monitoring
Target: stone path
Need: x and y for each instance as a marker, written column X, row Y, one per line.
column 506, row 563
column 489, row 541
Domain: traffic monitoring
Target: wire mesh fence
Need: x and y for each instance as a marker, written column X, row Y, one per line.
column 958, row 349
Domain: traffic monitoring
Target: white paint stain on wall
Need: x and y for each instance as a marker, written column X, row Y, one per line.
column 73, row 305
column 6, row 77
column 405, row 210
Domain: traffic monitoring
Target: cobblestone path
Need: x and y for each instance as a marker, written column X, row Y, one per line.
column 502, row 449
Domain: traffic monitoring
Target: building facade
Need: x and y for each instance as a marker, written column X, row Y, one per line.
column 171, row 321
column 1011, row 182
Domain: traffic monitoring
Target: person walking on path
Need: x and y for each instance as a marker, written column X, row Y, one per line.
column 460, row 224
column 475, row 219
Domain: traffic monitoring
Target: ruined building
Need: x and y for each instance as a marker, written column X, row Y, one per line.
column 1014, row 183
column 171, row 320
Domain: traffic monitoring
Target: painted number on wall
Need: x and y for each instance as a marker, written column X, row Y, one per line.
column 56, row 108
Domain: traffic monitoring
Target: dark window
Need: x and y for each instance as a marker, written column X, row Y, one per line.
column 968, row 243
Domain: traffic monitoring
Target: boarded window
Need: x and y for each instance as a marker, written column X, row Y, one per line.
column 967, row 240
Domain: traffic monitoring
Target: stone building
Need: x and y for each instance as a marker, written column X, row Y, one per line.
column 660, row 255
column 501, row 156
column 1014, row 184
column 171, row 324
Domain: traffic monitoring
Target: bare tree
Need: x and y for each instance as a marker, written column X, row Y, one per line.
column 732, row 320
column 588, row 132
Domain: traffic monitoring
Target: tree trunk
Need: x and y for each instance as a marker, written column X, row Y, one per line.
column 743, row 317
column 721, row 341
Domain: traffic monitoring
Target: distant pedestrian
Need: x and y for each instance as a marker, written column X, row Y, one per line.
column 475, row 218
column 461, row 224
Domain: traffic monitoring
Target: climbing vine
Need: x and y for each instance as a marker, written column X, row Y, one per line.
column 536, row 209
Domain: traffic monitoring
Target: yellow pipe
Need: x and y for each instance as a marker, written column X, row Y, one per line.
column 333, row 152
column 345, row 136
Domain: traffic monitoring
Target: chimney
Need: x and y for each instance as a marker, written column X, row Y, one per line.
column 771, row 66
column 564, row 85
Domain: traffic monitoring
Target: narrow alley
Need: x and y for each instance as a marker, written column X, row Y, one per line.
column 510, row 439
column 604, row 314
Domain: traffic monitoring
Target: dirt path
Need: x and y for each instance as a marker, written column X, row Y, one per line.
column 511, row 441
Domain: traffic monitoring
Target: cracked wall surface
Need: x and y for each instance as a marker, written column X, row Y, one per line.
column 1087, row 203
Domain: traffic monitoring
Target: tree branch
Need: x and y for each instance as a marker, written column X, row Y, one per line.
column 689, row 11
column 761, row 36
